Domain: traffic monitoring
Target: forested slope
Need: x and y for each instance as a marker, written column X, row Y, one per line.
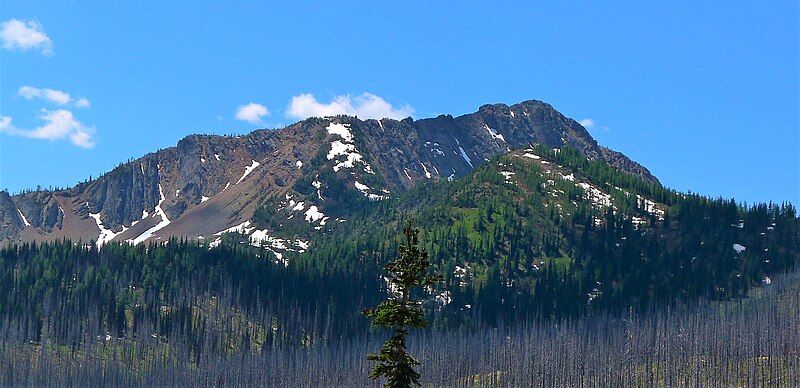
column 544, row 233
column 533, row 237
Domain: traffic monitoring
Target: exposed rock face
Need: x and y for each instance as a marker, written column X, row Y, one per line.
column 207, row 184
column 10, row 221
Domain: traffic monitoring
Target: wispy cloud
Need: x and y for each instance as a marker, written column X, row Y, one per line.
column 83, row 103
column 252, row 113
column 25, row 35
column 59, row 125
column 366, row 105
column 52, row 95
column 590, row 124
column 587, row 123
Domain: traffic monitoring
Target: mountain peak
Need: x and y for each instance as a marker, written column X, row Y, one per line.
column 208, row 183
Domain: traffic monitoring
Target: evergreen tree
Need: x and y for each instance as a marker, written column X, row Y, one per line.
column 400, row 311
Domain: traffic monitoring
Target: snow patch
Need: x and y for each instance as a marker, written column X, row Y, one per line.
column 349, row 152
column 313, row 215
column 444, row 298
column 598, row 197
column 339, row 148
column 494, row 134
column 318, row 185
column 650, row 206
column 427, row 173
column 261, row 238
column 164, row 220
column 532, row 156
column 346, row 148
column 342, row 130
column 24, row 220
column 360, row 186
column 461, row 274
column 106, row 235
column 739, row 248
column 507, row 175
column 364, row 189
column 248, row 170
column 465, row 156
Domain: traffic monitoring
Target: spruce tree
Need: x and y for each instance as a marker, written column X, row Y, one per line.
column 400, row 311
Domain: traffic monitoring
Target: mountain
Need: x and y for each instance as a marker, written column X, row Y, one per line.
column 534, row 234
column 287, row 232
column 209, row 184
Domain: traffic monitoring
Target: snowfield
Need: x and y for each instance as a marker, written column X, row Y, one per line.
column 345, row 148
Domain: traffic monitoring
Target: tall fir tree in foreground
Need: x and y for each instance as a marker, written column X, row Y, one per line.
column 400, row 312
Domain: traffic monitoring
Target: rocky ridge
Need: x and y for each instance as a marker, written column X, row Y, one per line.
column 208, row 184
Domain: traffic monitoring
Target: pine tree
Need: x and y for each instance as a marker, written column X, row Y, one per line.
column 400, row 311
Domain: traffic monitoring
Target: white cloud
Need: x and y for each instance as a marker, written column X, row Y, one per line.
column 5, row 122
column 83, row 103
column 25, row 35
column 59, row 125
column 55, row 96
column 252, row 112
column 366, row 106
column 592, row 125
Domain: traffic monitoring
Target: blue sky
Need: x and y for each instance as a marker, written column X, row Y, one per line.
column 706, row 96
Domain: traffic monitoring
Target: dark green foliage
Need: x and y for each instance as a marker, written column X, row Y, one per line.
column 532, row 256
column 405, row 275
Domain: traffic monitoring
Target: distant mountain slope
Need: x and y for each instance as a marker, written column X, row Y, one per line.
column 207, row 184
column 541, row 232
